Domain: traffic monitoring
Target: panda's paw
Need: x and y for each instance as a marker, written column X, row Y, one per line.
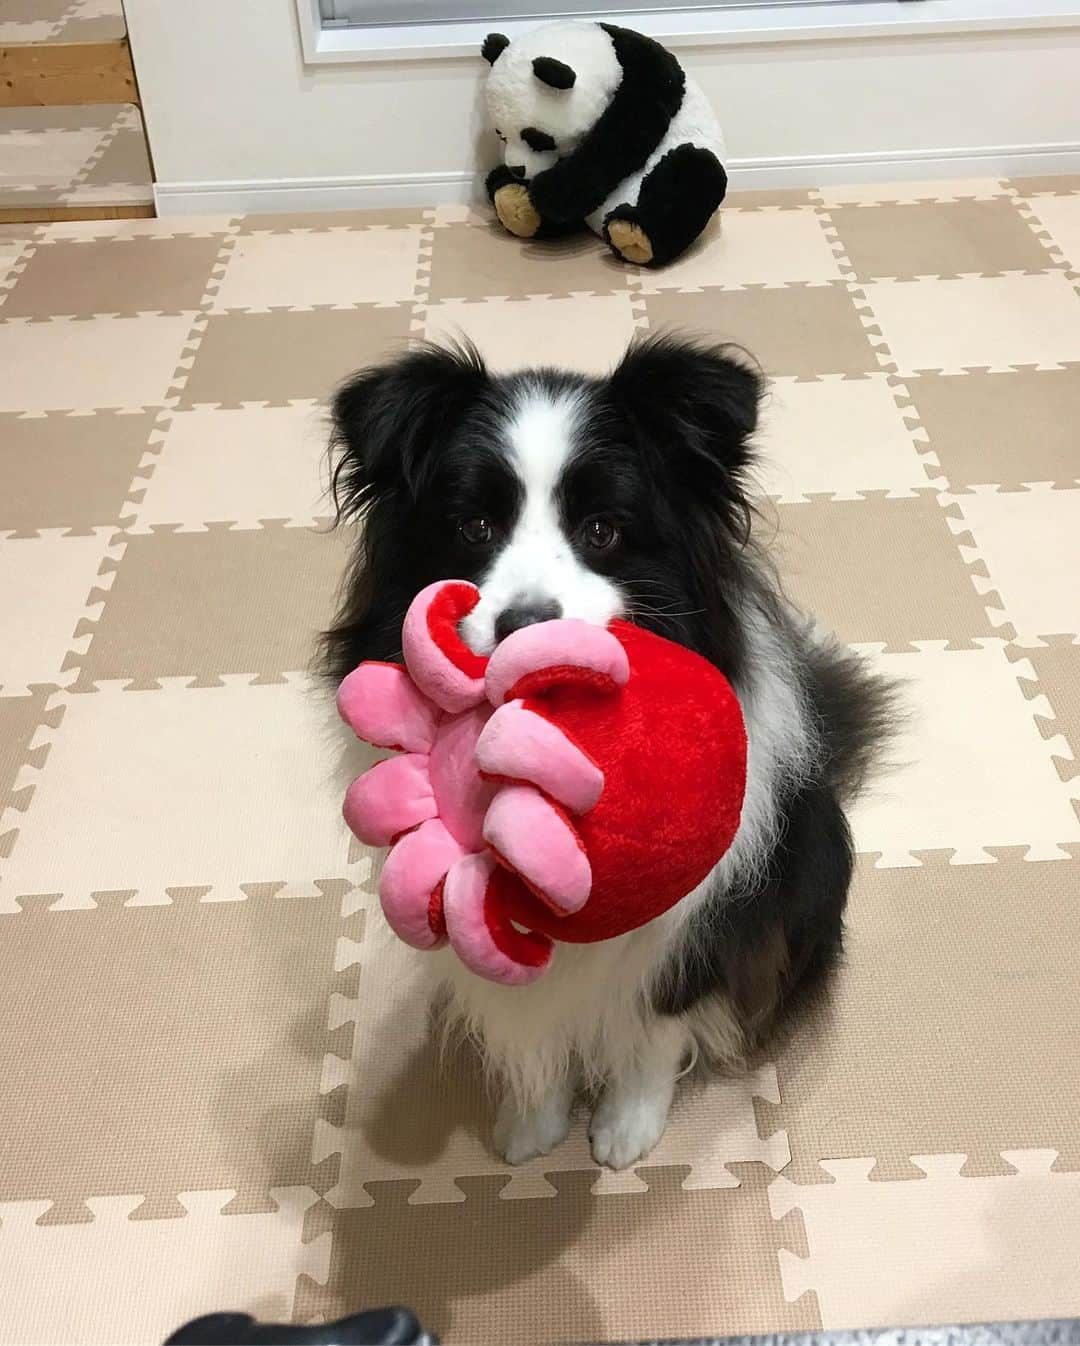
column 630, row 241
column 515, row 210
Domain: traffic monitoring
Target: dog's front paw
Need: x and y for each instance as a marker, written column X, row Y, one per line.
column 523, row 1135
column 515, row 210
column 627, row 1125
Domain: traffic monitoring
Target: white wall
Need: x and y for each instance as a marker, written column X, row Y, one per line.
column 236, row 120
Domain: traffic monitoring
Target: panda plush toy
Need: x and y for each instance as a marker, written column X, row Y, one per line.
column 600, row 127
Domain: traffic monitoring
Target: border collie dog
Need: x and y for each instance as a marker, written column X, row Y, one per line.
column 565, row 495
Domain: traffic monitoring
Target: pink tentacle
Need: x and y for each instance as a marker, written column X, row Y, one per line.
column 393, row 797
column 440, row 661
column 519, row 745
column 481, row 934
column 408, row 889
column 567, row 650
column 383, row 706
column 537, row 841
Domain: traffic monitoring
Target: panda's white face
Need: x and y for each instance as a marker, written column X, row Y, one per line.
column 536, row 121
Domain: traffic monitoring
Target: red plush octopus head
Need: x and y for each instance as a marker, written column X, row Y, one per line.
column 573, row 786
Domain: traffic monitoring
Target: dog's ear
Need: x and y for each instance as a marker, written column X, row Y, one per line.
column 699, row 401
column 389, row 421
column 494, row 46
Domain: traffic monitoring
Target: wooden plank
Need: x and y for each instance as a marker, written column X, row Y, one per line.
column 47, row 74
column 47, row 214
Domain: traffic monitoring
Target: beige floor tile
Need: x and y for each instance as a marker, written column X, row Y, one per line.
column 171, row 226
column 142, row 772
column 309, row 222
column 69, row 471
column 966, row 714
column 840, row 437
column 1031, row 545
column 374, row 266
column 978, row 322
column 470, row 261
column 778, row 198
column 20, row 717
column 14, row 31
column 588, row 333
column 752, row 248
column 45, row 591
column 194, row 1265
column 93, row 21
column 125, row 160
column 1060, row 217
column 238, row 466
column 78, row 365
column 44, row 158
column 1062, row 184
column 946, row 1249
column 1057, row 669
column 80, row 117
column 902, row 193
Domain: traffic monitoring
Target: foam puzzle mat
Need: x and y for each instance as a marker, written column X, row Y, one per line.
column 220, row 1090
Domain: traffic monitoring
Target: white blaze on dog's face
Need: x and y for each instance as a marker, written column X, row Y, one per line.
column 547, row 89
column 536, row 573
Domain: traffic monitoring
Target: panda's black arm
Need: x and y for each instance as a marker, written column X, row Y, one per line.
column 634, row 123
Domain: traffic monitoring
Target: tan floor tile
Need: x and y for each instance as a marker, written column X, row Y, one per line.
column 459, row 212
column 1060, row 217
column 1057, row 670
column 194, row 1055
column 45, row 591
column 30, row 30
column 226, row 600
column 473, row 262
column 210, row 788
column 194, row 1264
column 943, row 239
column 904, row 193
column 839, row 437
column 171, row 226
column 82, row 117
column 237, row 466
column 1053, row 184
column 946, row 1249
column 77, row 365
column 752, row 248
column 880, row 570
column 1003, row 429
column 45, row 158
column 135, row 275
column 280, row 356
column 372, row 266
column 19, row 718
column 792, row 331
column 23, row 11
column 978, row 322
column 69, row 471
column 586, row 333
column 967, row 720
column 283, row 222
column 94, row 21
column 125, row 160
column 1030, row 543
column 570, row 1268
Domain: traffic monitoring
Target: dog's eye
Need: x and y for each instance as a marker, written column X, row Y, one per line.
column 600, row 534
column 476, row 532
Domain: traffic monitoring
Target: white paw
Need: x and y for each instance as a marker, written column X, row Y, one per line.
column 625, row 1127
column 521, row 1136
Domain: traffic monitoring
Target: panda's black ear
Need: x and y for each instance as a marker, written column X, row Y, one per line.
column 556, row 74
column 494, row 46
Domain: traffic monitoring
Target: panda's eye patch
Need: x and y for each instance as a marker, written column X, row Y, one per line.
column 500, row 135
column 537, row 140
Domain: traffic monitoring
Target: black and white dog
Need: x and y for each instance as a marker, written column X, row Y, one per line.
column 559, row 494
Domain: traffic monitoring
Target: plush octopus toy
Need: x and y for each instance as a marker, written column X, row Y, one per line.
column 570, row 787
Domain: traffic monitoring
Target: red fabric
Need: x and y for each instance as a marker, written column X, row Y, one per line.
column 444, row 615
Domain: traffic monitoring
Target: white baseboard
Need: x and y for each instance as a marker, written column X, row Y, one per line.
column 427, row 189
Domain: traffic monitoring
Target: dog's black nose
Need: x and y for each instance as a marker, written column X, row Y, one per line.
column 525, row 614
column 518, row 170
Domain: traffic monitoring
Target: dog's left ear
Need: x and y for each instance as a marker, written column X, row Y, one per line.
column 494, row 46
column 697, row 400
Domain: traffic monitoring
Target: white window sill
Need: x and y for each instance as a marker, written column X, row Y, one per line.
column 693, row 28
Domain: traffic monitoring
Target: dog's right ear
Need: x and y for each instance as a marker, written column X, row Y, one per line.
column 388, row 421
column 494, row 46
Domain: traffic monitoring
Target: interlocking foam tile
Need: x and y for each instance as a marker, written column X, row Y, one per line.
column 118, row 173
column 282, row 356
column 410, row 1115
column 783, row 198
column 937, row 239
column 270, row 271
column 589, row 333
column 978, row 322
column 944, row 1249
column 1057, row 684
column 287, row 222
column 70, row 472
column 947, row 1027
column 902, row 193
column 132, row 784
column 881, row 570
column 1005, row 429
column 93, row 21
column 574, row 1267
column 1052, row 185
column 751, row 248
column 1059, row 216
column 20, row 717
column 48, row 585
column 839, row 437
column 967, row 717
column 73, row 364
column 171, row 226
column 241, row 465
column 166, row 275
column 797, row 330
column 193, row 1058
column 471, row 260
column 1030, row 544
column 200, row 604
column 118, row 1281
column 43, row 159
